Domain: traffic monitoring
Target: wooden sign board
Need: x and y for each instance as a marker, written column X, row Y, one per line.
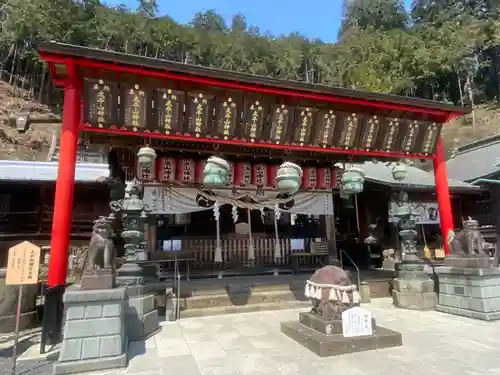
column 23, row 264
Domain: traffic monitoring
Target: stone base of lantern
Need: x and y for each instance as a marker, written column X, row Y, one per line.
column 412, row 288
column 324, row 336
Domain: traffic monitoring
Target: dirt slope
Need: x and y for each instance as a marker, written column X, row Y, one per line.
column 32, row 145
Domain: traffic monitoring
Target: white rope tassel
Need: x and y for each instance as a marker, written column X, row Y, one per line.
column 333, row 295
column 307, row 291
column 218, row 249
column 277, row 247
column 355, row 297
column 319, row 293
column 251, row 249
column 345, row 297
column 234, row 213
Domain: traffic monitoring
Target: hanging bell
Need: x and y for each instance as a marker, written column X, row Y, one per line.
column 216, row 172
column 399, row 172
column 288, row 178
column 352, row 181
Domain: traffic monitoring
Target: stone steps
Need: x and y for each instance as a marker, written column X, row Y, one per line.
column 222, row 310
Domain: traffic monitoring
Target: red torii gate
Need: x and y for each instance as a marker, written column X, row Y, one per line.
column 71, row 65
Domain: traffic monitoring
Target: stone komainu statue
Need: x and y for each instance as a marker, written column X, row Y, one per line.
column 331, row 292
column 101, row 249
column 470, row 242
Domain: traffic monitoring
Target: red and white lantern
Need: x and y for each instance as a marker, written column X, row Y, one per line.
column 259, row 175
column 271, row 175
column 309, row 178
column 200, row 166
column 243, row 174
column 325, row 178
column 167, row 168
column 230, row 176
column 186, row 171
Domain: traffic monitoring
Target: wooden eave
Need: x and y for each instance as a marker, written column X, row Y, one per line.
column 60, row 56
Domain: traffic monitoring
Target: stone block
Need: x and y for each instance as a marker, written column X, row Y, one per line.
column 92, row 327
column 140, row 305
column 98, row 279
column 467, row 262
column 90, row 347
column 413, row 286
column 26, row 320
column 332, row 345
column 94, row 331
column 110, row 346
column 471, row 292
column 414, row 301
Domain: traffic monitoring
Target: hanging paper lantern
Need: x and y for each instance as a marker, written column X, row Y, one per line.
column 399, row 172
column 167, row 168
column 272, row 170
column 259, row 175
column 337, row 177
column 199, row 167
column 186, row 171
column 325, row 178
column 352, row 180
column 146, row 164
column 243, row 174
column 216, row 172
column 309, row 178
column 288, row 178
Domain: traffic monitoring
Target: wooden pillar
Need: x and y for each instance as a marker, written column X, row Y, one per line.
column 63, row 202
column 443, row 194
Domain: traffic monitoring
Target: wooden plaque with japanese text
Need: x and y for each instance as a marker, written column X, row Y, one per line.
column 23, row 264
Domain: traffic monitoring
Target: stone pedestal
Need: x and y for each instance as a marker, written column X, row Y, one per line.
column 140, row 313
column 98, row 279
column 469, row 286
column 8, row 305
column 412, row 288
column 325, row 338
column 94, row 331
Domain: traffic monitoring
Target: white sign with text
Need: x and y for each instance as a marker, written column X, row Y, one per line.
column 356, row 322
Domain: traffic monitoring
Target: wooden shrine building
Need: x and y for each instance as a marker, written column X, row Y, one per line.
column 187, row 113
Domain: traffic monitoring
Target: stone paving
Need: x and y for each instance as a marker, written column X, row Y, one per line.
column 251, row 344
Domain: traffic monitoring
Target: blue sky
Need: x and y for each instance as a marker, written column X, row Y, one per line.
column 320, row 20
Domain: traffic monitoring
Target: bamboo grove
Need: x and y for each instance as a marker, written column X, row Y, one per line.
column 441, row 49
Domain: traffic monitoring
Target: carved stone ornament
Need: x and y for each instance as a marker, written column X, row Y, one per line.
column 331, row 292
column 101, row 248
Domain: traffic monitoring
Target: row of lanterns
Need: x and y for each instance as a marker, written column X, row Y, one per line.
column 288, row 176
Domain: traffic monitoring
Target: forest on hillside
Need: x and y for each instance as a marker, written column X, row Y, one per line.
column 445, row 50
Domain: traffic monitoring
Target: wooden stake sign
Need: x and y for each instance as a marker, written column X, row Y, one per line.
column 22, row 269
column 23, row 264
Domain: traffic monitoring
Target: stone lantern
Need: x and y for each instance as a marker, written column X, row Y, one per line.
column 216, row 172
column 352, row 180
column 399, row 172
column 288, row 178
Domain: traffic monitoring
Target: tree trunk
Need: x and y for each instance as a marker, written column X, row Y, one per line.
column 42, row 82
column 13, row 67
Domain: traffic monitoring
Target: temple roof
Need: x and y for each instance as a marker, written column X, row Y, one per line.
column 416, row 178
column 478, row 159
column 47, row 171
column 217, row 77
column 88, row 172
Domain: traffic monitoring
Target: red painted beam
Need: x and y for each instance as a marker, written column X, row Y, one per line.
column 438, row 115
column 341, row 151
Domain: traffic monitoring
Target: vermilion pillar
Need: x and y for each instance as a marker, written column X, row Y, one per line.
column 63, row 202
column 443, row 194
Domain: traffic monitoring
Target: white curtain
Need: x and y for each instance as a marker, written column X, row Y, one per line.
column 173, row 200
